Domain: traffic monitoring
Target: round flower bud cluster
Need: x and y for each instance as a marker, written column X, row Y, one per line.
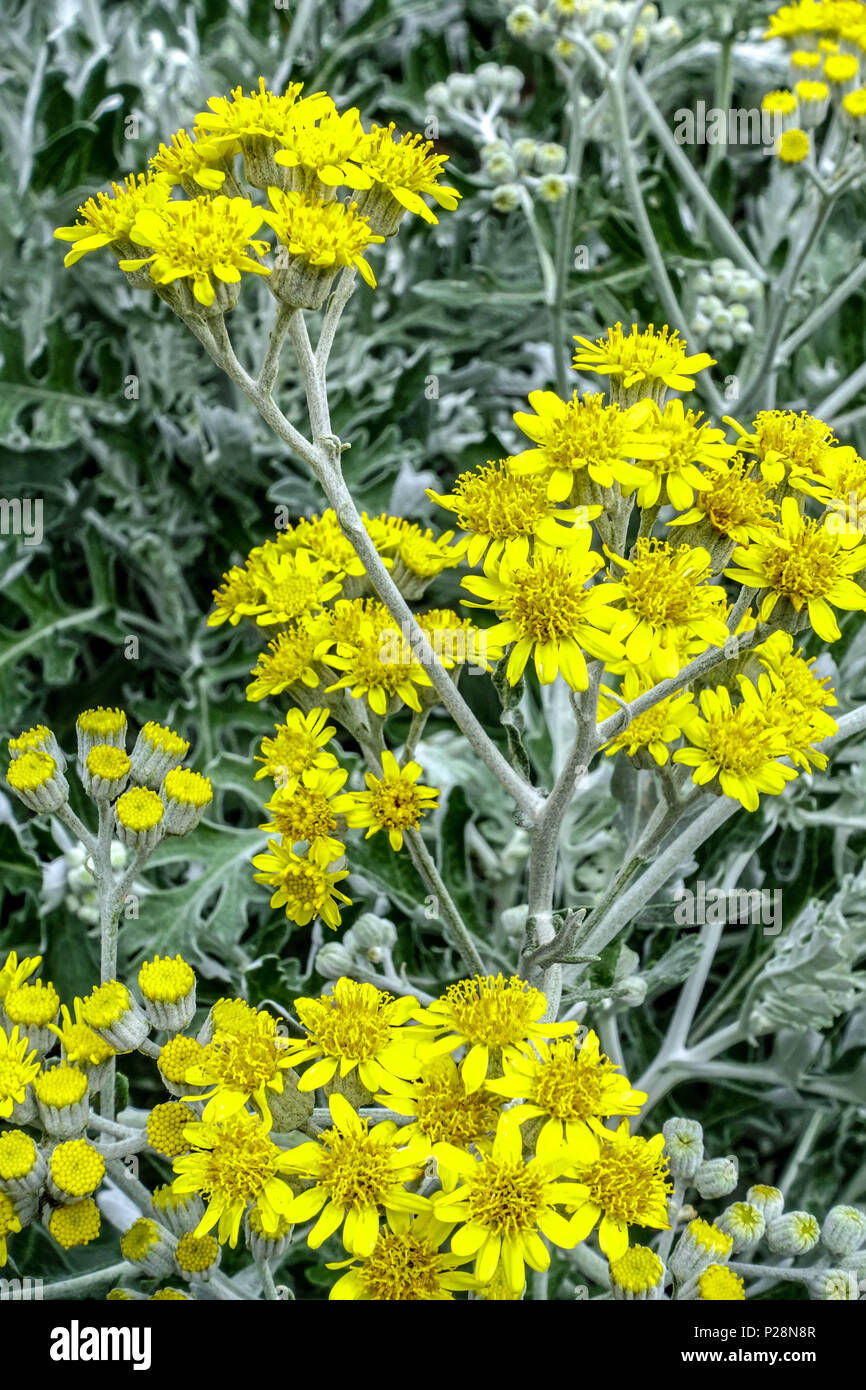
column 74, row 874
column 524, row 164
column 721, row 315
column 556, row 26
column 491, row 87
column 367, row 943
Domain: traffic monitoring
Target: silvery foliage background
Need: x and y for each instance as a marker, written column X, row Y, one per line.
column 153, row 487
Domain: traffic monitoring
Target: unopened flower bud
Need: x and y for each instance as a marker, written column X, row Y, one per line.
column 795, row 1233
column 684, row 1143
column 768, row 1200
column 334, row 960
column 834, row 1286
column 744, row 1223
column 844, row 1230
column 700, row 1245
column 506, row 197
column 717, row 1177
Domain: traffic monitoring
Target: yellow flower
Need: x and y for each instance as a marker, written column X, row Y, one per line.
column 793, row 146
column 358, row 1026
column 108, row 218
column 18, row 1068
column 241, row 120
column 665, row 597
column 308, row 810
column 322, row 535
column 734, row 504
column 809, row 564
column 240, row 1068
column 785, row 443
column 304, row 885
column 299, row 745
column 289, row 661
column 653, row 730
column 780, row 103
column 549, row 613
column 839, row 481
column 378, row 662
column 357, row 1173
column 736, row 746
column 402, row 170
column 32, row 1005
column 203, row 240
column 637, row 1272
column 235, row 1167
column 686, row 442
column 718, row 1283
column 166, row 1127
column 791, row 698
column 188, row 161
column 76, row 1224
column 442, row 1109
column 492, row 1017
column 572, row 1086
column 327, row 235
column 14, row 971
column 239, row 596
column 76, row 1168
column 622, row 1181
column 503, row 512
column 394, row 802
column 416, row 556
column 326, row 151
column 651, row 360
column 457, row 641
column 292, row 584
column 505, row 1205
column 579, row 439
column 406, row 1265
column 10, row 1224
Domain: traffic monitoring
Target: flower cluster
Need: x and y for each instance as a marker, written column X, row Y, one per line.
column 825, row 43
column 196, row 248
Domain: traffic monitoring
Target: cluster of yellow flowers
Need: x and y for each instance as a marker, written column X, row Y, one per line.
column 826, row 40
column 146, row 793
column 446, row 1158
column 195, row 249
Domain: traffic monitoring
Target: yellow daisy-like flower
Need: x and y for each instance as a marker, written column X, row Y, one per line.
column 504, row 512
column 785, row 443
column 572, row 1086
column 240, row 1068
column 415, row 554
column 505, row 1206
column 652, row 731
column 357, row 1027
column 549, row 613
column 19, row 1065
column 358, row 1173
column 304, row 885
column 323, row 536
column 395, row 802
column 188, row 161
column 323, row 234
column 244, row 119
column 401, row 171
column 292, row 585
column 108, row 219
column 493, row 1018
column 584, row 439
column 736, row 746
column 203, row 240
column 406, row 1264
column 622, row 1181
column 33, row 1005
column 235, row 1167
column 665, row 597
column 807, row 563
column 442, row 1110
column 650, row 360
column 326, row 151
column 457, row 641
column 795, row 677
column 687, row 443
column 289, row 661
column 734, row 504
column 239, row 596
column 378, row 663
column 839, row 481
column 14, row 972
column 307, row 811
column 299, row 746
column 791, row 699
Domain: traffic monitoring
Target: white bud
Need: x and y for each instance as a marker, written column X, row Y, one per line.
column 684, row 1142
column 768, row 1200
column 795, row 1233
column 844, row 1230
column 334, row 960
column 744, row 1222
column 717, row 1177
column 371, row 932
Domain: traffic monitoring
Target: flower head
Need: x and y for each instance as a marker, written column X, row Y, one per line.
column 189, row 161
column 308, row 810
column 358, row 1173
column 324, row 151
column 584, row 439
column 378, row 662
column 76, row 1224
column 240, row 1068
column 548, row 612
column 401, row 171
column 649, row 361
column 786, row 444
column 358, row 1026
column 622, row 1181
column 664, row 723
column 323, row 234
column 808, row 563
column 19, row 1066
column 234, row 1166
column 299, row 745
column 737, row 746
column 395, row 802
column 734, row 503
column 289, row 661
column 108, row 219
column 203, row 240
column 406, row 1264
column 665, row 598
column 241, row 119
column 304, row 885
column 442, row 1109
column 488, row 1014
column 686, row 443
